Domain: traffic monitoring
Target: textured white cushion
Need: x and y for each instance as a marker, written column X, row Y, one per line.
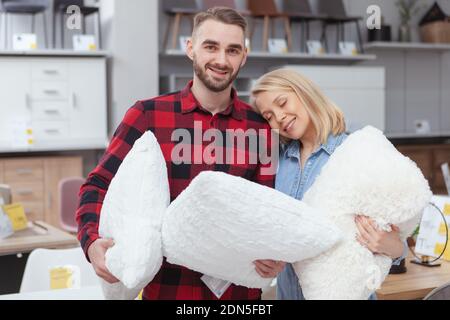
column 132, row 215
column 220, row 224
column 367, row 175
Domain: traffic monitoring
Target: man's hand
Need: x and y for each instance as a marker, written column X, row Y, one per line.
column 269, row 268
column 96, row 253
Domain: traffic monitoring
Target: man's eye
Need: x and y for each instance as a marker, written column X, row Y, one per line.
column 210, row 47
column 233, row 51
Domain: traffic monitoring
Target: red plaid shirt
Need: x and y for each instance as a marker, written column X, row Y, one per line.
column 162, row 115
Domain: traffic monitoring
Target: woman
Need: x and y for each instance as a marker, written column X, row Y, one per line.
column 311, row 127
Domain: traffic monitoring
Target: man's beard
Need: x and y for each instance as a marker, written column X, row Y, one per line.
column 209, row 82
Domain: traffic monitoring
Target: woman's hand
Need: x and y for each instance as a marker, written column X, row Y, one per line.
column 269, row 268
column 379, row 241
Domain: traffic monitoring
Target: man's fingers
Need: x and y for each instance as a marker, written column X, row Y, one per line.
column 106, row 275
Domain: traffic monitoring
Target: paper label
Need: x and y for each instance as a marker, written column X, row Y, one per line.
column 347, row 48
column 6, row 228
column 277, row 46
column 64, row 277
column 315, row 47
column 84, row 42
column 217, row 286
column 17, row 216
column 24, row 41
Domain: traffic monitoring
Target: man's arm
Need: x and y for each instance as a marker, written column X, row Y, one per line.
column 93, row 191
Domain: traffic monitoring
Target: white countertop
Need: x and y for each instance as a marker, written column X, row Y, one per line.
column 86, row 293
column 55, row 53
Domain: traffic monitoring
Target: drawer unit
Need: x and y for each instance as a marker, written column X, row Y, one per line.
column 50, row 90
column 23, row 170
column 27, row 191
column 46, row 70
column 50, row 130
column 34, row 211
column 50, row 110
column 34, row 183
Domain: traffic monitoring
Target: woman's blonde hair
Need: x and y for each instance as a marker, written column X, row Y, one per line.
column 325, row 115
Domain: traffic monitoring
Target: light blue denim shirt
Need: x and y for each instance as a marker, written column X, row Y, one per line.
column 294, row 181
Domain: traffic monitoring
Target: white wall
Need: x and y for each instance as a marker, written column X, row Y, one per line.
column 131, row 37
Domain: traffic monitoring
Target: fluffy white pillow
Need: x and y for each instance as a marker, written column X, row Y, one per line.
column 367, row 175
column 221, row 223
column 132, row 214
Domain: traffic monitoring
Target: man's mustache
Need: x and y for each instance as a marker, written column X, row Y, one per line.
column 218, row 67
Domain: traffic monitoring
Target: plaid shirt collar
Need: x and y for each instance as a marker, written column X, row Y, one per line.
column 189, row 103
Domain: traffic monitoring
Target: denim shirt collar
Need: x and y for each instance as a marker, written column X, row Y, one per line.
column 292, row 149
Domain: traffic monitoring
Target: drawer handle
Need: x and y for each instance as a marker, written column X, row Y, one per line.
column 52, row 131
column 51, row 111
column 51, row 91
column 51, row 71
column 24, row 171
column 24, row 192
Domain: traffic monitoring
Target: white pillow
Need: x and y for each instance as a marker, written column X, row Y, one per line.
column 220, row 224
column 132, row 216
column 367, row 175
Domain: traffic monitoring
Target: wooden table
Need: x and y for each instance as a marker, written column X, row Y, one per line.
column 39, row 235
column 416, row 283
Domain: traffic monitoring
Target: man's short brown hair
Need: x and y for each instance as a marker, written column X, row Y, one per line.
column 221, row 14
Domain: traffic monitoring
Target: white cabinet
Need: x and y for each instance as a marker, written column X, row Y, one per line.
column 52, row 103
column 87, row 100
column 15, row 100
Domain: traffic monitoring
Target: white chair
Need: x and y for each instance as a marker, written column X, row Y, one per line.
column 36, row 275
column 440, row 293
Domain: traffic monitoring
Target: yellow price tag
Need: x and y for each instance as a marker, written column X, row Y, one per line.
column 442, row 229
column 33, row 45
column 447, row 209
column 29, row 131
column 16, row 214
column 61, row 278
column 92, row 47
column 438, row 250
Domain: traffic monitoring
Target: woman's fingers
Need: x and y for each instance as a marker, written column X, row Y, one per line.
column 263, row 267
column 268, row 268
column 364, row 233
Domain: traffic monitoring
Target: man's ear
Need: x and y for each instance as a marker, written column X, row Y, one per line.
column 245, row 57
column 190, row 49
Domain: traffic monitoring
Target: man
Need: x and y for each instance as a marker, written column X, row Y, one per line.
column 218, row 51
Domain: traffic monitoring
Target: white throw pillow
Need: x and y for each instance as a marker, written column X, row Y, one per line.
column 220, row 224
column 366, row 175
column 131, row 215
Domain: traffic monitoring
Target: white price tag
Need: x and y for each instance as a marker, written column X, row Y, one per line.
column 347, row 48
column 277, row 46
column 217, row 286
column 315, row 47
column 84, row 42
column 24, row 41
